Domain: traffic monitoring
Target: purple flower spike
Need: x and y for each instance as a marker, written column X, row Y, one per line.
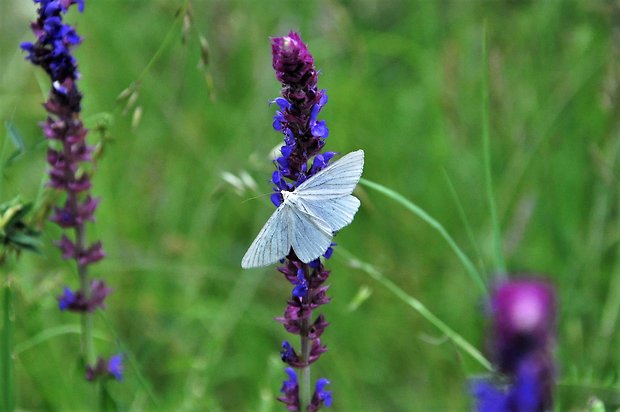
column 68, row 156
column 523, row 314
column 304, row 134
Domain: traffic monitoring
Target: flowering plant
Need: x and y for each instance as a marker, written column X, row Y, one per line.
column 68, row 157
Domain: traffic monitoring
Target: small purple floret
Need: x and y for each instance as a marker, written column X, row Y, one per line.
column 75, row 301
column 111, row 368
column 321, row 395
column 115, row 367
column 290, row 391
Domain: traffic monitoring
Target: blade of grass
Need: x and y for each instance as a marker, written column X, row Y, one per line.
column 132, row 361
column 51, row 333
column 457, row 339
column 486, row 147
column 465, row 220
column 418, row 211
column 8, row 386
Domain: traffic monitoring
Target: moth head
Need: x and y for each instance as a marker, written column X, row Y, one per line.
column 285, row 194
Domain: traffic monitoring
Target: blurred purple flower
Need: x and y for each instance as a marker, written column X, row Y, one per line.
column 115, row 367
column 111, row 368
column 523, row 313
column 77, row 302
column 68, row 150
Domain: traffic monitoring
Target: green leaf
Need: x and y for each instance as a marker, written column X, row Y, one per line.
column 17, row 140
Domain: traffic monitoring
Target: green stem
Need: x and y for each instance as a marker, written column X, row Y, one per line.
column 8, row 387
column 418, row 211
column 164, row 44
column 88, row 344
column 486, row 148
column 305, row 377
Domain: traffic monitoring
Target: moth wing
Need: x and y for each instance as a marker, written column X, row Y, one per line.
column 337, row 179
column 310, row 236
column 272, row 242
column 337, row 213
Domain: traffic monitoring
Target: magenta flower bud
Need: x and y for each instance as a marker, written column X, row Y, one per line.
column 292, row 61
column 523, row 321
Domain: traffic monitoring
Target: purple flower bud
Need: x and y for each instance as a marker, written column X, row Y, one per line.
column 317, row 328
column 317, row 350
column 292, row 61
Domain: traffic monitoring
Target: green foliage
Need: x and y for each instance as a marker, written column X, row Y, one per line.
column 15, row 234
column 404, row 82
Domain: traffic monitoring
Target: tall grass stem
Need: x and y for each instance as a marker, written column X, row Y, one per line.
column 475, row 276
column 418, row 306
column 465, row 220
column 486, row 148
column 8, row 384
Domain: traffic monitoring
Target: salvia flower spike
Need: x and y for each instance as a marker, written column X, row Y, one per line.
column 523, row 325
column 69, row 156
column 297, row 118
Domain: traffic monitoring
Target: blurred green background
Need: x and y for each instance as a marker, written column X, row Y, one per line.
column 404, row 83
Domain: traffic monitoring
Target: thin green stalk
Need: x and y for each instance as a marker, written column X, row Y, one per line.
column 457, row 339
column 305, row 377
column 131, row 360
column 418, row 211
column 486, row 145
column 3, row 149
column 50, row 333
column 8, row 385
column 158, row 53
column 88, row 345
column 465, row 220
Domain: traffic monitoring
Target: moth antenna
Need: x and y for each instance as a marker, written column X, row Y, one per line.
column 256, row 197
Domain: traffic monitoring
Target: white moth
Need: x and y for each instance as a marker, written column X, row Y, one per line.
column 309, row 215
